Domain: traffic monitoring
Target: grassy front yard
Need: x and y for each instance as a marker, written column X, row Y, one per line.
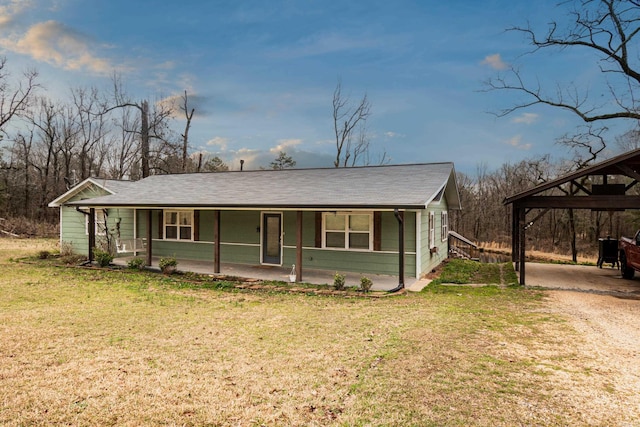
column 92, row 347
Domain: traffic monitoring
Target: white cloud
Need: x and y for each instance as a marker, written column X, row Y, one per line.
column 392, row 135
column 250, row 157
column 167, row 65
column 526, row 118
column 9, row 11
column 495, row 61
column 328, row 43
column 56, row 44
column 284, row 144
column 516, row 142
column 219, row 141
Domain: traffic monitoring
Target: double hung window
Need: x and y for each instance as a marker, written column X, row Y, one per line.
column 100, row 222
column 432, row 229
column 348, row 230
column 444, row 225
column 178, row 225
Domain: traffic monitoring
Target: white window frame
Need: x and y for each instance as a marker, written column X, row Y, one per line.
column 347, row 231
column 100, row 225
column 444, row 225
column 179, row 212
column 432, row 229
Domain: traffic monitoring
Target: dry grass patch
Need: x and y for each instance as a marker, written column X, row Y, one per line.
column 90, row 347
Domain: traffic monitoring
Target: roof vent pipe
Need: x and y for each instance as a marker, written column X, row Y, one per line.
column 241, row 165
column 400, row 219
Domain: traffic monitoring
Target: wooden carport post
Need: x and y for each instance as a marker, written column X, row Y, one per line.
column 515, row 235
column 521, row 241
column 299, row 246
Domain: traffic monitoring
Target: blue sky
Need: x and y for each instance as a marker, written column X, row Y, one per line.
column 261, row 74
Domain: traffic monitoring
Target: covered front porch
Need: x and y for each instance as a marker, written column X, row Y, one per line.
column 381, row 282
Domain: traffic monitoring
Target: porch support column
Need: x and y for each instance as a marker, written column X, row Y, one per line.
column 515, row 235
column 149, row 237
column 299, row 246
column 92, row 233
column 216, row 241
column 521, row 241
column 400, row 218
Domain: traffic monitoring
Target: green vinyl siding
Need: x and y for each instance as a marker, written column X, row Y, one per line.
column 344, row 260
column 290, row 228
column 197, row 251
column 73, row 229
column 390, row 236
column 432, row 260
column 240, row 227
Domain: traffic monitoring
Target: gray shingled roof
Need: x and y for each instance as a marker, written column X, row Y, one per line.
column 115, row 185
column 401, row 186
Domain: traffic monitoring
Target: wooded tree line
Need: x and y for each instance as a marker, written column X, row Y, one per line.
column 485, row 219
column 49, row 145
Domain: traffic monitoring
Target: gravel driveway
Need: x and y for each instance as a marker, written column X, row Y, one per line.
column 604, row 280
column 605, row 309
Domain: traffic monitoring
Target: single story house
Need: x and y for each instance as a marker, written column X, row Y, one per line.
column 389, row 219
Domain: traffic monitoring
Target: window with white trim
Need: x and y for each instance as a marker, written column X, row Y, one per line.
column 432, row 229
column 100, row 223
column 444, row 225
column 178, row 225
column 346, row 230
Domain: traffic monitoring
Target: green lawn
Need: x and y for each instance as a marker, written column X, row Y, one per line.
column 94, row 347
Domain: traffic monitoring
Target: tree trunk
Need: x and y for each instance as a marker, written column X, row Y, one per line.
column 144, row 139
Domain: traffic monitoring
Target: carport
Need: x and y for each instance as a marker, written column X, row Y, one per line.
column 603, row 186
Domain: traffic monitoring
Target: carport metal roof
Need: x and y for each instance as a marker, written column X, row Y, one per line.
column 587, row 188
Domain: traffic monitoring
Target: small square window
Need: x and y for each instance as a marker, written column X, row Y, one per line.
column 178, row 225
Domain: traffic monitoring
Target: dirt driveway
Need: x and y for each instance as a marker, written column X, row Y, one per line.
column 605, row 309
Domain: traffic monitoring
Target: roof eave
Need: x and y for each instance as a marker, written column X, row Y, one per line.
column 390, row 207
column 60, row 200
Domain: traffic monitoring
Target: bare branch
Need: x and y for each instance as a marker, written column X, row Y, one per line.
column 15, row 100
column 606, row 28
column 345, row 119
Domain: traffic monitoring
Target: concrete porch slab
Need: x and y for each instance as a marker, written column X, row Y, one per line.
column 268, row 272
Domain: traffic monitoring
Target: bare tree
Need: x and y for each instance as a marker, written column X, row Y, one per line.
column 630, row 140
column 188, row 114
column 14, row 100
column 346, row 119
column 125, row 147
column 606, row 28
column 92, row 128
column 592, row 143
column 45, row 123
column 153, row 125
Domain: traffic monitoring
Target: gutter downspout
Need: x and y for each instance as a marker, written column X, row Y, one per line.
column 90, row 251
column 400, row 219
